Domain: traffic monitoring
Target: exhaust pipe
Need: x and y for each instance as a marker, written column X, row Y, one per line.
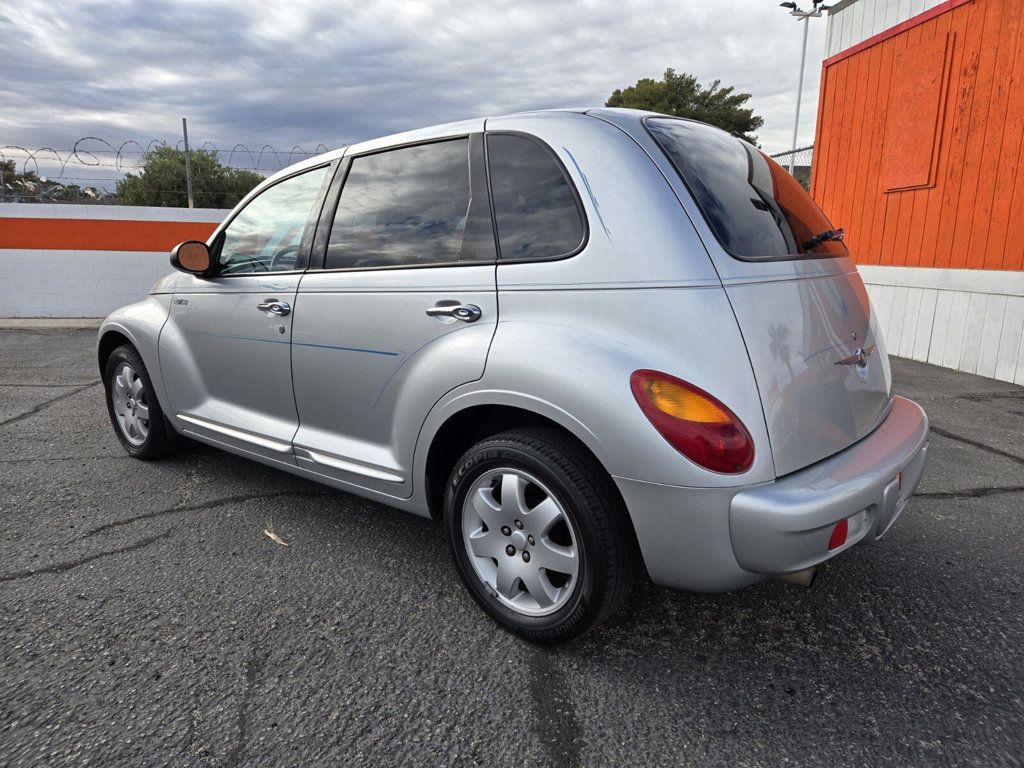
column 804, row 578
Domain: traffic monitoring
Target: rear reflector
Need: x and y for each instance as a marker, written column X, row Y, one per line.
column 693, row 422
column 838, row 537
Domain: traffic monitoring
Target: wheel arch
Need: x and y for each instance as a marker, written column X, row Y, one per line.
column 138, row 325
column 110, row 339
column 476, row 416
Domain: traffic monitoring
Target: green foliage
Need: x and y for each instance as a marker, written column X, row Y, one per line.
column 27, row 186
column 8, row 173
column 681, row 95
column 161, row 181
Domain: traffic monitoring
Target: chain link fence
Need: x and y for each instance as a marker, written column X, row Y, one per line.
column 801, row 160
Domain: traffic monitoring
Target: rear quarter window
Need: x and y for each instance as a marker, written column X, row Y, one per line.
column 756, row 209
column 535, row 206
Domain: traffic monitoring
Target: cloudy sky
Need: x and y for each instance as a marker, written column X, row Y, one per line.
column 334, row 71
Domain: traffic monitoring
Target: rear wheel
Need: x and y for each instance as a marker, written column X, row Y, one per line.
column 134, row 411
column 539, row 534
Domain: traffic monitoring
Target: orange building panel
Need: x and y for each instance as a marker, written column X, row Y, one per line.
column 914, row 126
column 919, row 152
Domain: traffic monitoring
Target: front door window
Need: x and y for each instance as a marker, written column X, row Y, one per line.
column 266, row 236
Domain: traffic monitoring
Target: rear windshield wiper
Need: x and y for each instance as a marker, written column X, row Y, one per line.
column 824, row 237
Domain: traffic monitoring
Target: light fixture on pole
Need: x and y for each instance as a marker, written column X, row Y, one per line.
column 816, row 9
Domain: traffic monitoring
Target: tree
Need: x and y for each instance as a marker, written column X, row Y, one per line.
column 681, row 95
column 30, row 187
column 161, row 181
column 7, row 173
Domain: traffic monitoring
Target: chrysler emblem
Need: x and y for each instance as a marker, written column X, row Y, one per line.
column 859, row 358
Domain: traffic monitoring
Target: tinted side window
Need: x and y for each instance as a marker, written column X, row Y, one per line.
column 266, row 235
column 415, row 205
column 534, row 206
column 755, row 208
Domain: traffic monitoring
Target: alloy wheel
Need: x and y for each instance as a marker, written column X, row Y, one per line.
column 520, row 541
column 131, row 407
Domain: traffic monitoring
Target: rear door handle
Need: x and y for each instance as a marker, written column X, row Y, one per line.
column 467, row 313
column 274, row 307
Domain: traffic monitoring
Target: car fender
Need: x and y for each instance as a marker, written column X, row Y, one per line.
column 141, row 323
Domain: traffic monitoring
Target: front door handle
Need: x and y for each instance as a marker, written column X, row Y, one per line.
column 274, row 307
column 467, row 313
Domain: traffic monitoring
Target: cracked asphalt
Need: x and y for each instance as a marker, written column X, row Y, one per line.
column 146, row 620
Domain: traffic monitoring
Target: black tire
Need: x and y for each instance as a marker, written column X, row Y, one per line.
column 608, row 553
column 161, row 440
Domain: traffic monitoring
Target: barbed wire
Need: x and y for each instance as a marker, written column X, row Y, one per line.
column 95, row 152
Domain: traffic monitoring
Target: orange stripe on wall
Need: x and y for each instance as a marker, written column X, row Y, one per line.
column 99, row 234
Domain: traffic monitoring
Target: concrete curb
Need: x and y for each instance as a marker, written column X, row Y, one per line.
column 50, row 323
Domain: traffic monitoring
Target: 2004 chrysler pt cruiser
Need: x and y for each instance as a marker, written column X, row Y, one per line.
column 589, row 340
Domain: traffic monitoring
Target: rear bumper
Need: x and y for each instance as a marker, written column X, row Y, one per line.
column 785, row 526
column 718, row 539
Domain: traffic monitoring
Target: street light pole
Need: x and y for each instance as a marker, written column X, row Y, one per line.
column 799, row 94
column 188, row 165
column 804, row 16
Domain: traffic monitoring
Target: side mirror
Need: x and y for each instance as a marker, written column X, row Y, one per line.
column 191, row 256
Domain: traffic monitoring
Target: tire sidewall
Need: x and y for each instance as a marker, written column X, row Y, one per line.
column 473, row 464
column 127, row 355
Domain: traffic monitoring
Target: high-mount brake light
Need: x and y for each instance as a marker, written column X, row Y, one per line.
column 693, row 422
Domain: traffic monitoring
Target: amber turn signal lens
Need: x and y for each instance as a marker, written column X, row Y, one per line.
column 684, row 403
column 693, row 422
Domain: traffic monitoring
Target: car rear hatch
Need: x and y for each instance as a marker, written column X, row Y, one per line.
column 821, row 370
column 805, row 317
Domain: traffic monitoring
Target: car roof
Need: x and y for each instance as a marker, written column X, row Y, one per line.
column 474, row 125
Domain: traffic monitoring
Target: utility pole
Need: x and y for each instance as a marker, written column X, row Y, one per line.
column 188, row 164
column 804, row 16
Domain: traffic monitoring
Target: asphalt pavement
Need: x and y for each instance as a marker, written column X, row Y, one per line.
column 146, row 620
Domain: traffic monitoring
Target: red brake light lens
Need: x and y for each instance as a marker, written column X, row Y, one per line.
column 693, row 422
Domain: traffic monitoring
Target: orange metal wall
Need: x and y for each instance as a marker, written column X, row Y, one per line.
column 919, row 153
column 99, row 234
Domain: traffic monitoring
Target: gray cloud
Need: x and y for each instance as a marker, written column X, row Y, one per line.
column 306, row 73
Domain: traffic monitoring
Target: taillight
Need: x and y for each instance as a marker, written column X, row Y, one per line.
column 693, row 422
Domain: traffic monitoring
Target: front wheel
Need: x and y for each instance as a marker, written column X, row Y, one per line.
column 134, row 411
column 539, row 534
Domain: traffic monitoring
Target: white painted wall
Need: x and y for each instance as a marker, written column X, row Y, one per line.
column 968, row 319
column 110, row 212
column 75, row 283
column 861, row 19
column 83, row 283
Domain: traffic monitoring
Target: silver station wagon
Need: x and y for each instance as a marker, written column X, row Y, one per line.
column 589, row 341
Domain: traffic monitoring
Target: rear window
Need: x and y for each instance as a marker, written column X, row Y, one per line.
column 535, row 208
column 755, row 208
